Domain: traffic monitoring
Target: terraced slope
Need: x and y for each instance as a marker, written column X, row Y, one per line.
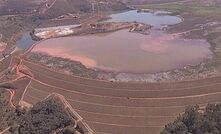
column 124, row 108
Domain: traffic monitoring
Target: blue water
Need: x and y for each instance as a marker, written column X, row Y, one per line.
column 25, row 42
column 148, row 18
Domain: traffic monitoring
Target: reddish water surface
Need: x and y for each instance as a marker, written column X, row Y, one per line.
column 128, row 52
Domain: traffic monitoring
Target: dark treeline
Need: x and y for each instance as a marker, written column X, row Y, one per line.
column 196, row 121
column 45, row 117
column 6, row 112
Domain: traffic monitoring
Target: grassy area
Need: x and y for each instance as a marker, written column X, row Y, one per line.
column 195, row 9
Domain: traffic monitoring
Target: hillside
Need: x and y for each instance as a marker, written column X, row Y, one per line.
column 147, row 1
column 54, row 8
column 47, row 116
column 60, row 7
column 57, row 8
column 18, row 6
column 167, row 1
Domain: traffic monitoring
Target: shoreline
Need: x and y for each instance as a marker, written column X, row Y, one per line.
column 110, row 78
column 59, row 64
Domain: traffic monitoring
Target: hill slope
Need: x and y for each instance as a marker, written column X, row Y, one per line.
column 18, row 6
column 54, row 8
column 59, row 7
column 166, row 1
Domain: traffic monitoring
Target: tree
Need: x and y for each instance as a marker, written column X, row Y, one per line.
column 196, row 121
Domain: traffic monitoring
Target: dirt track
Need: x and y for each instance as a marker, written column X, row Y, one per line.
column 125, row 108
column 5, row 63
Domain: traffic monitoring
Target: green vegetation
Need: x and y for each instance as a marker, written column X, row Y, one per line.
column 5, row 110
column 45, row 117
column 196, row 9
column 196, row 121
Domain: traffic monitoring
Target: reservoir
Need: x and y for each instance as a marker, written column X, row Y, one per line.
column 123, row 51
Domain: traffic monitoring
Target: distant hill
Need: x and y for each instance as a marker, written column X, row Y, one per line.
column 209, row 1
column 53, row 8
column 147, row 1
column 18, row 6
column 42, row 6
column 58, row 7
column 166, row 1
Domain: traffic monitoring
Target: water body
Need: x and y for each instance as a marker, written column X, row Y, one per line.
column 157, row 21
column 123, row 51
column 25, row 42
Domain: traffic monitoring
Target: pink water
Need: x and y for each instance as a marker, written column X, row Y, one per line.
column 128, row 52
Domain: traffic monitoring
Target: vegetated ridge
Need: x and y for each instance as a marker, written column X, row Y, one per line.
column 47, row 116
column 196, row 121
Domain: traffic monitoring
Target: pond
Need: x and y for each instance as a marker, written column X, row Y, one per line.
column 25, row 42
column 157, row 21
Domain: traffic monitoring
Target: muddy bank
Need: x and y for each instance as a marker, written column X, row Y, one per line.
column 64, row 65
column 75, row 68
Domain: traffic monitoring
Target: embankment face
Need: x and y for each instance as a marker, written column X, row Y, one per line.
column 122, row 107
